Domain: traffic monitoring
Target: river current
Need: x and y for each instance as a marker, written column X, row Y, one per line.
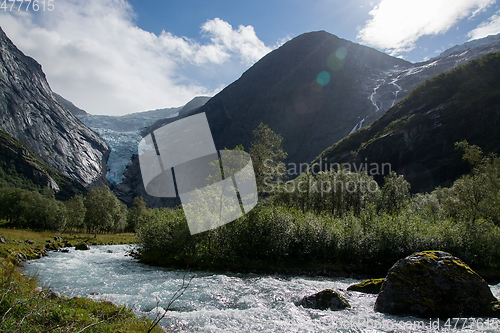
column 226, row 302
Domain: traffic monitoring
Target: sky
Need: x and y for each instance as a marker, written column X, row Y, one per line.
column 115, row 57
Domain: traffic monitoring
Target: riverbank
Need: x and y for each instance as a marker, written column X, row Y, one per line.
column 23, row 244
column 218, row 302
column 28, row 307
column 492, row 276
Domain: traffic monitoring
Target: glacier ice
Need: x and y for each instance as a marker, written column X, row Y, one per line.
column 122, row 135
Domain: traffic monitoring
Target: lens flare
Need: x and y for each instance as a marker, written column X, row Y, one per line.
column 323, row 78
column 336, row 60
column 341, row 52
column 315, row 86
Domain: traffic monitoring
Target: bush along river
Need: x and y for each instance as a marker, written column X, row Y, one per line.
column 229, row 302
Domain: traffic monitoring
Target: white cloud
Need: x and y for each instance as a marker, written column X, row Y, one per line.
column 397, row 24
column 95, row 56
column 243, row 42
column 490, row 27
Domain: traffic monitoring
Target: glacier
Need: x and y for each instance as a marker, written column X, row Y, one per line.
column 122, row 134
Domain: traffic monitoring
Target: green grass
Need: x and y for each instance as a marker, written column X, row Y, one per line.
column 17, row 241
column 27, row 307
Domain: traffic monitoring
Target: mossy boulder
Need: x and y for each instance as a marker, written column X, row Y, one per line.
column 370, row 286
column 326, row 299
column 434, row 284
column 51, row 246
column 82, row 247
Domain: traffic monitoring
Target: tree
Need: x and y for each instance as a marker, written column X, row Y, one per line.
column 119, row 217
column 267, row 157
column 12, row 205
column 476, row 195
column 30, row 209
column 136, row 214
column 104, row 212
column 75, row 211
column 395, row 194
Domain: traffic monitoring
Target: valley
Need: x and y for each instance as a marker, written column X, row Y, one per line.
column 317, row 100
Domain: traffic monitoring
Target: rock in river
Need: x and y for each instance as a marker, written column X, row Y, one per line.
column 326, row 299
column 82, row 247
column 434, row 284
column 370, row 286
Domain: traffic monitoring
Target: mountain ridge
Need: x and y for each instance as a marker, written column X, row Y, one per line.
column 31, row 113
column 417, row 135
column 282, row 91
column 76, row 111
column 271, row 89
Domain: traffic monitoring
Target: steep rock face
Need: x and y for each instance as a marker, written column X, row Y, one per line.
column 18, row 162
column 76, row 111
column 14, row 155
column 31, row 113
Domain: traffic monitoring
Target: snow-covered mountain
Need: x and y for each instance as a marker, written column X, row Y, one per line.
column 123, row 134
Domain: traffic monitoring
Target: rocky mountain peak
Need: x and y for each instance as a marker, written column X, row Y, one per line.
column 312, row 90
column 31, row 113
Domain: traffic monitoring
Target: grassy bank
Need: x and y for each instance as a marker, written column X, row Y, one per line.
column 23, row 244
column 27, row 307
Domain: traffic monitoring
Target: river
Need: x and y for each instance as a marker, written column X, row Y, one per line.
column 224, row 302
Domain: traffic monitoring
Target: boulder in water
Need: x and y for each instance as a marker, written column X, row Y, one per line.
column 434, row 284
column 370, row 286
column 326, row 299
column 82, row 247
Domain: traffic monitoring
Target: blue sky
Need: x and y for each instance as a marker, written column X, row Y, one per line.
column 116, row 56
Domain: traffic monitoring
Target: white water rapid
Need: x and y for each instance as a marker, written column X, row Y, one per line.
column 220, row 302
